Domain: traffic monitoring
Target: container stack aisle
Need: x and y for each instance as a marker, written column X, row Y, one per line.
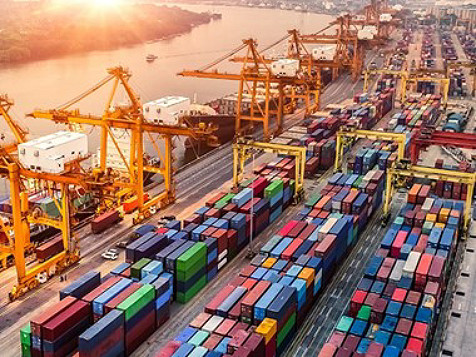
column 395, row 308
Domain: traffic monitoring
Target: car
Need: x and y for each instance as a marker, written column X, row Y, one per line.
column 123, row 244
column 110, row 254
column 168, row 218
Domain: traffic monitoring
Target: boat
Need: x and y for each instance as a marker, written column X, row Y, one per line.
column 151, row 58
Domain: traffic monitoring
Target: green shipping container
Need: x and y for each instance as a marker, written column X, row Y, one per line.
column 25, row 335
column 25, row 351
column 313, row 199
column 273, row 188
column 198, row 338
column 286, row 329
column 224, row 201
column 193, row 257
column 137, row 267
column 246, row 183
column 134, row 303
column 364, row 313
column 185, row 297
column 357, row 182
column 344, row 324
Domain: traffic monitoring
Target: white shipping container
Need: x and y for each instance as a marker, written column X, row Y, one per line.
column 385, row 17
column 212, row 323
column 166, row 110
column 364, row 35
column 324, row 53
column 397, row 271
column 285, row 67
column 411, row 264
column 426, row 207
column 50, row 153
column 324, row 230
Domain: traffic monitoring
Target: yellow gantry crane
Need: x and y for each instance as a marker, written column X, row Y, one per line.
column 349, row 50
column 397, row 175
column 130, row 117
column 258, row 83
column 346, row 137
column 407, row 77
column 243, row 150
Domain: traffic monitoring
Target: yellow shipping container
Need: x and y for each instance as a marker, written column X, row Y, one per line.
column 431, row 217
column 268, row 328
column 268, row 263
column 443, row 215
column 307, row 274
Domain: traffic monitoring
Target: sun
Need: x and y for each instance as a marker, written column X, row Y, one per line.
column 105, row 2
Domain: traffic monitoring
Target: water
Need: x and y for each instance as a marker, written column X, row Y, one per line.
column 50, row 83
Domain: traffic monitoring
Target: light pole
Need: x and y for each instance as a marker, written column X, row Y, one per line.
column 251, row 252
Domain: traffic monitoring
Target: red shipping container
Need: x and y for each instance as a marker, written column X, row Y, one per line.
column 356, row 302
column 225, row 327
column 399, row 294
column 420, row 330
column 112, row 304
column 375, row 349
column 218, row 299
column 351, row 342
column 169, row 349
column 404, row 327
column 423, row 193
column 104, row 221
column 49, row 249
column 247, row 271
column 39, row 320
column 378, row 310
column 212, row 341
column 337, row 338
column 407, row 353
column 249, row 283
column 237, row 340
column 398, row 243
column 101, row 288
column 289, row 251
column 422, row 270
column 297, row 229
column 208, row 232
column 255, row 343
column 221, row 236
column 211, row 202
column 65, row 320
column 413, row 297
column 237, row 281
column 328, row 350
column 287, row 228
column 270, row 347
column 212, row 213
column 250, row 299
column 140, row 332
column 435, row 273
column 200, row 320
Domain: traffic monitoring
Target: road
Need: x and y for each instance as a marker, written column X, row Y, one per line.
column 195, row 184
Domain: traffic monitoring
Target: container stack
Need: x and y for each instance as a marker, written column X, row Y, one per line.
column 395, row 308
column 317, row 133
column 191, row 272
column 420, row 110
column 55, row 331
column 269, row 299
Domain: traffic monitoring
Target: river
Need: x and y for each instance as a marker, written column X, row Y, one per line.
column 50, row 83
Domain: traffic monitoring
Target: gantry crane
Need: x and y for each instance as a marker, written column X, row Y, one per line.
column 397, row 175
column 346, row 136
column 17, row 229
column 18, row 131
column 131, row 118
column 242, row 151
column 469, row 65
column 369, row 72
column 256, row 72
column 349, row 53
column 425, row 137
column 310, row 94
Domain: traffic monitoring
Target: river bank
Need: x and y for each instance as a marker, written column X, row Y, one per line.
column 49, row 32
